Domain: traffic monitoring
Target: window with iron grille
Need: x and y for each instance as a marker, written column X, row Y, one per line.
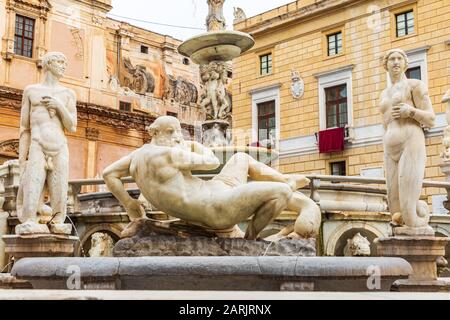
column 414, row 73
column 338, row 168
column 336, row 106
column 172, row 114
column 334, row 43
column 265, row 64
column 266, row 121
column 405, row 23
column 125, row 106
column 24, row 36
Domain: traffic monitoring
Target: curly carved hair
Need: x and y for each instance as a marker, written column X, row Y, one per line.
column 50, row 57
column 388, row 54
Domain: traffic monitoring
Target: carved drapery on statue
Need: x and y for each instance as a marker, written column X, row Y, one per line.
column 137, row 78
column 181, row 91
column 215, row 20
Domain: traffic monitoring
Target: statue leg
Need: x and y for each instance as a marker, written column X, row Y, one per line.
column 258, row 171
column 58, row 183
column 30, row 191
column 32, row 185
column 262, row 200
column 411, row 172
column 392, row 189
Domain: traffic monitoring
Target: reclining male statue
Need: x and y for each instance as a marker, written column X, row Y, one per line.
column 162, row 171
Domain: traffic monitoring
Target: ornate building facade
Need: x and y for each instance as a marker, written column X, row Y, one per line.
column 124, row 77
column 317, row 67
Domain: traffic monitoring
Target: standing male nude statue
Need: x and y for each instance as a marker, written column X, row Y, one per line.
column 406, row 108
column 48, row 109
column 162, row 171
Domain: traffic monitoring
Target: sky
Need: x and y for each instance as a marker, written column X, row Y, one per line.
column 186, row 13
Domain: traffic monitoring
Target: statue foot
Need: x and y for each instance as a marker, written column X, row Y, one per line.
column 410, row 231
column 61, row 228
column 31, row 227
column 297, row 181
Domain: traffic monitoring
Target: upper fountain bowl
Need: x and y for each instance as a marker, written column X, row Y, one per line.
column 221, row 45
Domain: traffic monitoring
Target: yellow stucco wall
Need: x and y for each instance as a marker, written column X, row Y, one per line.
column 295, row 34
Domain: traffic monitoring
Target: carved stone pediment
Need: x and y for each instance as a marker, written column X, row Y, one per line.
column 10, row 148
column 33, row 6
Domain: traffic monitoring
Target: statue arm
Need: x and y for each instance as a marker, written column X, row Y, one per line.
column 424, row 113
column 69, row 114
column 25, row 131
column 112, row 176
column 200, row 158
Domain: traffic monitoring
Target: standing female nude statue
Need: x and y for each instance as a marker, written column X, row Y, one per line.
column 407, row 110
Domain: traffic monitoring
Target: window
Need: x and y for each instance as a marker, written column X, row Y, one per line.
column 172, row 114
column 404, row 23
column 24, row 36
column 266, row 121
column 414, row 73
column 265, row 64
column 334, row 43
column 336, row 106
column 144, row 49
column 186, row 61
column 125, row 106
column 338, row 168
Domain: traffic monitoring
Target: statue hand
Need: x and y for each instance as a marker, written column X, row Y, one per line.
column 52, row 103
column 402, row 111
column 135, row 210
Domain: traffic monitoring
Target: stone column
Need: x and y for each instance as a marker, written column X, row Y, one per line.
column 92, row 135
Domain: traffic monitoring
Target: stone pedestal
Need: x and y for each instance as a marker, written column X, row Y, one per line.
column 46, row 245
column 421, row 252
column 3, row 230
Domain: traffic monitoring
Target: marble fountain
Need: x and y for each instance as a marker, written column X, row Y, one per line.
column 202, row 246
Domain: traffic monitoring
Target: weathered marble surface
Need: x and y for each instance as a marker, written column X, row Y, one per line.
column 163, row 169
column 406, row 108
column 215, row 273
column 144, row 238
column 48, row 109
column 358, row 246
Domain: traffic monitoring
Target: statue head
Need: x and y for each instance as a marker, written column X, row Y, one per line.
column 55, row 63
column 395, row 61
column 166, row 131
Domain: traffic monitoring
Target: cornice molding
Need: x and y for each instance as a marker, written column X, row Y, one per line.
column 11, row 98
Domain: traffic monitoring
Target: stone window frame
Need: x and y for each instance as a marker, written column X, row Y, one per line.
column 399, row 10
column 38, row 12
column 258, row 56
column 328, row 33
column 270, row 93
column 331, row 79
column 26, row 21
column 337, row 160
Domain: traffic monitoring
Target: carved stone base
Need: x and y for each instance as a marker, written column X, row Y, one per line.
column 407, row 231
column 29, row 228
column 421, row 252
column 62, row 228
column 39, row 245
column 144, row 238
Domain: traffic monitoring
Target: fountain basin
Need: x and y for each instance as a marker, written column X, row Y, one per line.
column 221, row 45
column 214, row 273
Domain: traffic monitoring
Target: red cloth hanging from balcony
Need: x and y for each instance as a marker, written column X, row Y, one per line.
column 332, row 140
